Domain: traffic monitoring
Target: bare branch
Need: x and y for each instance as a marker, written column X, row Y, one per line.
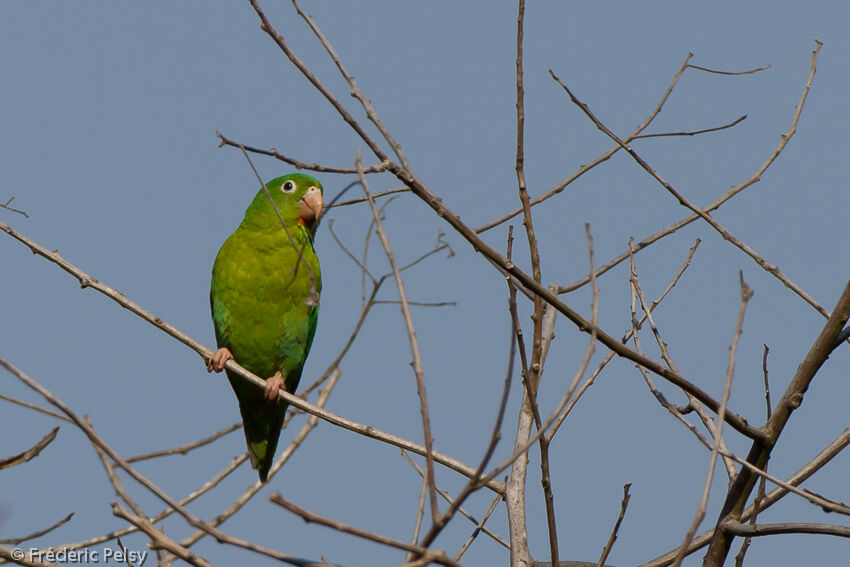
column 757, row 530
column 267, row 27
column 307, row 516
column 204, row 488
column 284, row 457
column 366, row 430
column 604, row 157
column 414, row 344
column 35, row 407
column 350, row 255
column 460, row 509
column 95, row 439
column 417, row 303
column 30, row 453
column 746, row 295
column 39, row 533
column 364, row 199
column 184, row 449
column 665, row 354
column 18, row 557
column 768, row 267
column 754, row 178
column 475, row 481
column 693, row 132
column 766, row 383
column 8, row 208
column 354, row 90
column 624, row 340
column 749, row 72
column 610, row 545
column 158, row 537
column 272, row 152
column 115, row 481
column 791, row 400
column 479, row 527
column 803, row 474
column 409, row 178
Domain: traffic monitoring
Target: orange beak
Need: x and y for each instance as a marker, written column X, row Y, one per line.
column 311, row 205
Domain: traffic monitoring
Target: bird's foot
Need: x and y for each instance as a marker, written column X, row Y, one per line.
column 219, row 359
column 274, row 385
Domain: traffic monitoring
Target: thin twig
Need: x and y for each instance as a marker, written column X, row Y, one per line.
column 351, row 256
column 420, row 513
column 284, row 457
column 803, row 474
column 307, row 516
column 665, row 354
column 158, row 537
column 417, row 303
column 692, row 132
column 460, row 509
column 754, row 178
column 354, row 90
column 184, row 449
column 364, row 199
column 479, row 527
column 30, row 453
column 636, row 134
column 606, row 551
column 267, row 27
column 764, row 264
column 476, row 481
column 626, row 337
column 35, row 407
column 746, row 295
column 766, row 382
column 716, row 72
column 418, row 371
column 750, row 530
column 39, row 533
column 8, row 208
column 272, row 152
column 118, row 487
column 203, row 489
column 761, row 450
column 604, row 157
column 354, row 334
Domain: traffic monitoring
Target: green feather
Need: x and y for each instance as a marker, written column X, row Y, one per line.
column 264, row 300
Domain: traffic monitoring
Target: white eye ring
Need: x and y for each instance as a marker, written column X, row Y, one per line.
column 288, row 186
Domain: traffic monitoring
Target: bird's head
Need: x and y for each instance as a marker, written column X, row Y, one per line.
column 297, row 198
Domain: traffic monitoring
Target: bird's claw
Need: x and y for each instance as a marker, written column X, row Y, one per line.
column 219, row 359
column 274, row 385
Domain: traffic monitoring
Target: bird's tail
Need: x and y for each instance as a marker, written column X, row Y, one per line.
column 262, row 430
column 261, row 422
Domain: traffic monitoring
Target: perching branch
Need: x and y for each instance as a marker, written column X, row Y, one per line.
column 366, row 430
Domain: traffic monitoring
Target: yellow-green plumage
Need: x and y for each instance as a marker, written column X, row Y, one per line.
column 264, row 297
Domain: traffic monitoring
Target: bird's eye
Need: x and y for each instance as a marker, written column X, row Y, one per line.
column 288, row 186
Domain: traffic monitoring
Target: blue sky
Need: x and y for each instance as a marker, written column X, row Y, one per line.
column 109, row 117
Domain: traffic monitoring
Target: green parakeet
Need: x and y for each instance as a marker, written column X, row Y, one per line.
column 264, row 298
